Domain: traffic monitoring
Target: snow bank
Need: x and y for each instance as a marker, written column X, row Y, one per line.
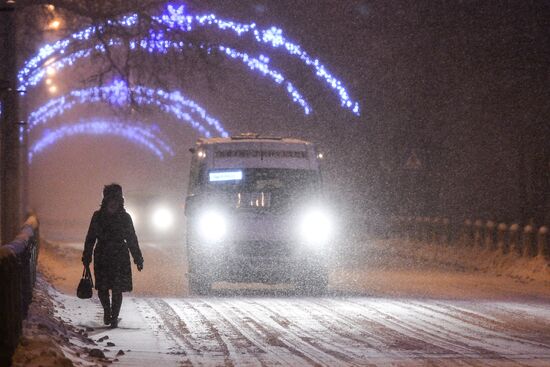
column 49, row 340
column 406, row 254
column 404, row 268
column 474, row 258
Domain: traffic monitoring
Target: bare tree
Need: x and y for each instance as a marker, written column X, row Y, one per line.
column 25, row 25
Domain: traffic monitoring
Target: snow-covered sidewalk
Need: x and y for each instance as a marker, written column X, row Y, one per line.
column 62, row 330
column 48, row 339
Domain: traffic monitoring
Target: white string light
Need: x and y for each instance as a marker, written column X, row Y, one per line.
column 255, row 64
column 175, row 18
column 143, row 135
column 118, row 93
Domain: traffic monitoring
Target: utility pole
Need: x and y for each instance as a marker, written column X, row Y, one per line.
column 10, row 173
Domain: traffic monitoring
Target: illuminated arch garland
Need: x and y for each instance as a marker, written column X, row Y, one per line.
column 176, row 19
column 260, row 64
column 61, row 46
column 143, row 135
column 117, row 93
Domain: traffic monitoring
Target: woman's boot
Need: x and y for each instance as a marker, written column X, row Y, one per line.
column 117, row 303
column 103, row 295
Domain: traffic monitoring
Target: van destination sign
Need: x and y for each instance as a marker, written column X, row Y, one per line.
column 259, row 154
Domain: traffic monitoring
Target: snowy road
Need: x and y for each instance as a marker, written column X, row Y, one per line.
column 327, row 331
column 383, row 313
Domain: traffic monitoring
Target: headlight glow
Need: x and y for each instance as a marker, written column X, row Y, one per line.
column 316, row 226
column 133, row 215
column 212, row 226
column 162, row 218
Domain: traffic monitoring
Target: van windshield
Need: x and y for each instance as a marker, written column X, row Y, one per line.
column 264, row 188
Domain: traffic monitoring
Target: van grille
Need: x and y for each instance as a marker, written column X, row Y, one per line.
column 262, row 249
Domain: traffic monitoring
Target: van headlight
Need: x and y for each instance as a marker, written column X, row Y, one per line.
column 162, row 218
column 212, row 226
column 316, row 226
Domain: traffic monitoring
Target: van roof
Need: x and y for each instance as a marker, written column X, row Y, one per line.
column 251, row 138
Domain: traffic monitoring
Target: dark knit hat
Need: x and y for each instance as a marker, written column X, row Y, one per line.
column 112, row 191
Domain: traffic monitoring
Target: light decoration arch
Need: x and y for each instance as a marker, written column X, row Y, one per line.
column 143, row 135
column 118, row 93
column 260, row 64
column 175, row 18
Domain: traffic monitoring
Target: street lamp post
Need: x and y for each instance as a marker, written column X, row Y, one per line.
column 10, row 173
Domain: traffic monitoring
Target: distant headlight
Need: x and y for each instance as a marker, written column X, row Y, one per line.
column 162, row 218
column 212, row 226
column 316, row 226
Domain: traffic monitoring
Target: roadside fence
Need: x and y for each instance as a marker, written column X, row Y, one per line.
column 18, row 260
column 526, row 241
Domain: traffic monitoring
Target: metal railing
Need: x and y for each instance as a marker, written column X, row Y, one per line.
column 18, row 261
column 526, row 241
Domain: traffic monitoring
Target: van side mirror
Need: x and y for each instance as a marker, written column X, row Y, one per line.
column 192, row 150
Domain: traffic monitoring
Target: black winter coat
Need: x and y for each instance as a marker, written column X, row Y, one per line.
column 115, row 235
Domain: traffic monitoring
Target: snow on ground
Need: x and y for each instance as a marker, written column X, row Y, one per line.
column 391, row 303
column 399, row 268
column 48, row 340
column 62, row 330
column 297, row 331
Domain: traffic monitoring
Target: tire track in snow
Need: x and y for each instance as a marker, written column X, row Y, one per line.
column 433, row 322
column 176, row 330
column 179, row 328
column 268, row 344
column 375, row 340
column 378, row 339
column 442, row 348
column 345, row 346
column 302, row 342
column 390, row 335
column 315, row 335
column 408, row 320
column 285, row 353
column 156, row 323
column 215, row 350
column 476, row 325
column 499, row 344
column 532, row 317
column 252, row 334
column 479, row 339
column 537, row 341
column 470, row 312
column 258, row 332
column 241, row 350
column 504, row 320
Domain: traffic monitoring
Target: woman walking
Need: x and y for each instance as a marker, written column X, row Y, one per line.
column 112, row 234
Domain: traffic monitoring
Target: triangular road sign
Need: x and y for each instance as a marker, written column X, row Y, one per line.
column 413, row 162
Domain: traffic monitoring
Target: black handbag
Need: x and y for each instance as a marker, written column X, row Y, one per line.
column 86, row 285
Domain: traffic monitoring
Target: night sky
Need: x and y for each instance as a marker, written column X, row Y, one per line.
column 463, row 84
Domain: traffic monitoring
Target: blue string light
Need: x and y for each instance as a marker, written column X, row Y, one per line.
column 176, row 19
column 143, row 135
column 118, row 93
column 60, row 47
column 260, row 64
